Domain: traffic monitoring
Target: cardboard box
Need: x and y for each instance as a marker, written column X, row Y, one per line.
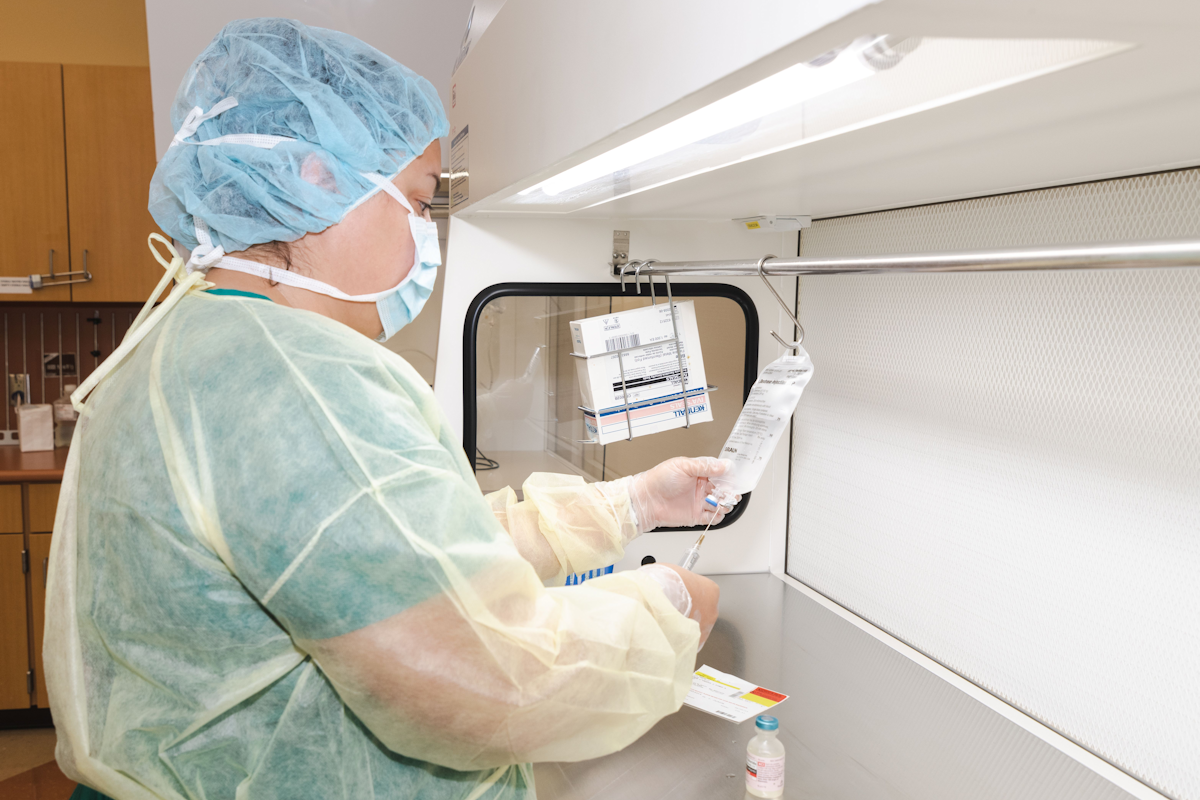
column 651, row 372
column 35, row 428
column 609, row 332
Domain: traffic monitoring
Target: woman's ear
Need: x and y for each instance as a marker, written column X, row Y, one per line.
column 314, row 171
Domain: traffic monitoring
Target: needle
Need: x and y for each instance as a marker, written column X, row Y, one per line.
column 693, row 554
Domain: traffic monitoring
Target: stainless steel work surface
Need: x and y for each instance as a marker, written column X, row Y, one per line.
column 862, row 722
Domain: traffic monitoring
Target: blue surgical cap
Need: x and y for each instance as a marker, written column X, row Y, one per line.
column 350, row 109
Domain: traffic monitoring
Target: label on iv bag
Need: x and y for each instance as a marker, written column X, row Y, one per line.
column 753, row 437
column 765, row 416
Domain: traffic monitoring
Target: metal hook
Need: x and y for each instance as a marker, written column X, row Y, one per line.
column 650, row 277
column 624, row 267
column 789, row 345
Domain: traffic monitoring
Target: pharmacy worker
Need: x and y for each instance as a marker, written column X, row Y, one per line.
column 273, row 573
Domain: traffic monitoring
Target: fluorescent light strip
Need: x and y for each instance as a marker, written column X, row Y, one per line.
column 785, row 89
column 1116, row 47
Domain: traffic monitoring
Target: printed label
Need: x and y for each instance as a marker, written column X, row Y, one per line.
column 764, row 774
column 15, row 286
column 460, row 177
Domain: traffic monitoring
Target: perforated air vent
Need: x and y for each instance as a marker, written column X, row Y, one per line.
column 1003, row 470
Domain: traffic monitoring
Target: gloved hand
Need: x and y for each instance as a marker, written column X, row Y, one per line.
column 694, row 596
column 672, row 494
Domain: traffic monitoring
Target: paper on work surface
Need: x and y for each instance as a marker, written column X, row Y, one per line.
column 728, row 696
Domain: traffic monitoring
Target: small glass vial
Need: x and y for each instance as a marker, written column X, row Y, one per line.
column 764, row 760
column 64, row 417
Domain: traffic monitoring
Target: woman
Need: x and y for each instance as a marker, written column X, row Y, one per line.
column 274, row 575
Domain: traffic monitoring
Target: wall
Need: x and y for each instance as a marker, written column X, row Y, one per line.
column 29, row 332
column 1001, row 469
column 111, row 33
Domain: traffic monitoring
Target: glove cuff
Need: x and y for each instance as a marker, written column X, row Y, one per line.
column 673, row 587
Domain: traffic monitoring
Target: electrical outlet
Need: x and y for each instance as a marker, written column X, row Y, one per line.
column 8, row 437
column 18, row 389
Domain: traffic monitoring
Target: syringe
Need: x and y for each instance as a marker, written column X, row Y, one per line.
column 693, row 554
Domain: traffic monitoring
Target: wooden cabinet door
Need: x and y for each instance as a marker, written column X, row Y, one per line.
column 39, row 565
column 110, row 159
column 43, row 504
column 33, row 205
column 12, row 519
column 14, row 626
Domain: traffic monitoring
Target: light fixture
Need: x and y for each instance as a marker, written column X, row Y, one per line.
column 873, row 80
column 790, row 87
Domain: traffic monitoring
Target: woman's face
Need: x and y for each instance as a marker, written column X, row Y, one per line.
column 372, row 248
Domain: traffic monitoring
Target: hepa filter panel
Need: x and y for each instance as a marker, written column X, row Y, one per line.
column 1003, row 470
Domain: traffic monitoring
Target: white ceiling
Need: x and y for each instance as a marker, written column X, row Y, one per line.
column 1134, row 112
column 424, row 36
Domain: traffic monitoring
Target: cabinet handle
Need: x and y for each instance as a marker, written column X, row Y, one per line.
column 45, row 571
column 56, row 279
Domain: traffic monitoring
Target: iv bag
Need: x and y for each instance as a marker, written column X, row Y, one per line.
column 760, row 426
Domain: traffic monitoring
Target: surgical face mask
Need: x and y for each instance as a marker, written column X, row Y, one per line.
column 397, row 306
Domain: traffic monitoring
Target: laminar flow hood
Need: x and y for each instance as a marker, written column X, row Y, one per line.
column 815, row 108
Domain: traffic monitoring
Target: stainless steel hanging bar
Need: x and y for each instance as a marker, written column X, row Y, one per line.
column 1131, row 255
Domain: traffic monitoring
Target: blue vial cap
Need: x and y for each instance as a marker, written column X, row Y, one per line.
column 712, row 501
column 766, row 723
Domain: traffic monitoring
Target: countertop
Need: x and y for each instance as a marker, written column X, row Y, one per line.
column 41, row 467
column 863, row 722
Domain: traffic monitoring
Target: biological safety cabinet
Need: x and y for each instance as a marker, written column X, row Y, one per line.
column 985, row 218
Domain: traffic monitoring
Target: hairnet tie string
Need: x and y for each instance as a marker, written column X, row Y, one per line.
column 205, row 255
column 147, row 318
column 198, row 116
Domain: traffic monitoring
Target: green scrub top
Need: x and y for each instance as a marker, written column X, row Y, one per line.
column 239, row 293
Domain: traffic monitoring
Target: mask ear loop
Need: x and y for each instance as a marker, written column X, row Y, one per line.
column 147, row 318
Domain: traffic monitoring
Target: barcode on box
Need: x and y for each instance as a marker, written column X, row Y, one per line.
column 621, row 342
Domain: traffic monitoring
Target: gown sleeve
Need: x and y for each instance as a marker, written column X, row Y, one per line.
column 566, row 525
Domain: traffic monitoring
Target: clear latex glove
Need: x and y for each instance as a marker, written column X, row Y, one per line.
column 672, row 493
column 694, row 596
column 674, row 589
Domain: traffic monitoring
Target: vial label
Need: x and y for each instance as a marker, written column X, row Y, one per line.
column 764, row 774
